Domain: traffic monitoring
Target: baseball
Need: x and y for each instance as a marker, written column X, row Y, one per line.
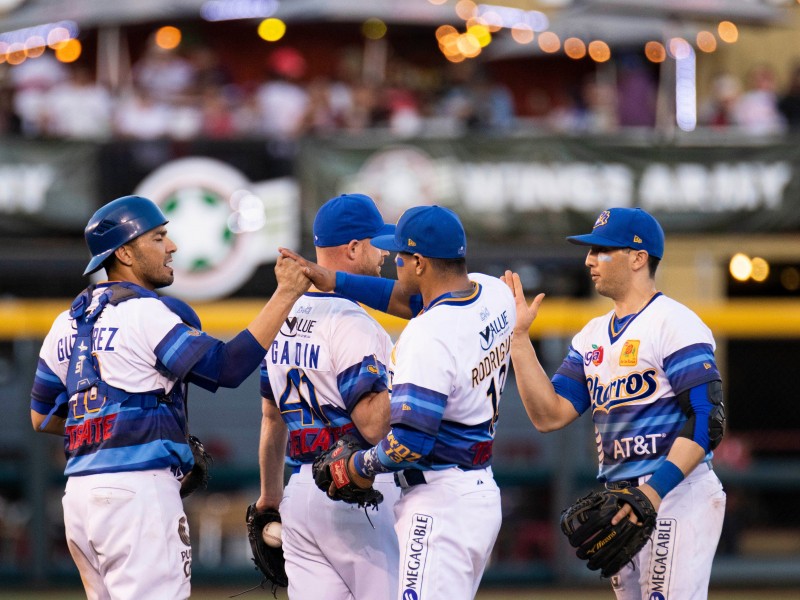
column 271, row 534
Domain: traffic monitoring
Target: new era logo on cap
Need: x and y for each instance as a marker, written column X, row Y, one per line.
column 625, row 228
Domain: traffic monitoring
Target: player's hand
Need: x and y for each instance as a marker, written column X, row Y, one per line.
column 627, row 511
column 291, row 276
column 322, row 278
column 526, row 314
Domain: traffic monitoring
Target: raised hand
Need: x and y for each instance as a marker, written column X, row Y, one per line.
column 526, row 314
column 322, row 278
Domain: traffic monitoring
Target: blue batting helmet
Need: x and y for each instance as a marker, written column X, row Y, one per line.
column 116, row 224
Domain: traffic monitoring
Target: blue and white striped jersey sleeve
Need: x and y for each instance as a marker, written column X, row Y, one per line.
column 46, row 388
column 570, row 381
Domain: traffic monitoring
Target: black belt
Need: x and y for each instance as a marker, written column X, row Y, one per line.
column 409, row 477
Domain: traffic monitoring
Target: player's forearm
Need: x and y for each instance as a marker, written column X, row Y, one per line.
column 371, row 416
column 269, row 321
column 271, row 454
column 55, row 425
column 686, row 454
column 546, row 409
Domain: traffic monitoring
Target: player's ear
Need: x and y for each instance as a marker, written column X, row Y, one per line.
column 352, row 249
column 640, row 258
column 124, row 255
column 420, row 263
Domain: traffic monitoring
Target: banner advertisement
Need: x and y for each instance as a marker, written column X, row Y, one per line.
column 516, row 190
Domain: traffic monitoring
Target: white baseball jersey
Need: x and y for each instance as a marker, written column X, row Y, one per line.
column 450, row 366
column 629, row 371
column 328, row 354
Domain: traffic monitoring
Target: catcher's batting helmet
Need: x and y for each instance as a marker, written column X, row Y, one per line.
column 116, row 224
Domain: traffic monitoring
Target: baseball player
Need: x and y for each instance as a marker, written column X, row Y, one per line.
column 324, row 376
column 449, row 368
column 112, row 378
column 646, row 370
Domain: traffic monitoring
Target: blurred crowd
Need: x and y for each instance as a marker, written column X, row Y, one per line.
column 186, row 95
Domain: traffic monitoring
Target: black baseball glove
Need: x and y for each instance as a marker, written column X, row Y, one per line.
column 268, row 560
column 198, row 477
column 330, row 467
column 607, row 547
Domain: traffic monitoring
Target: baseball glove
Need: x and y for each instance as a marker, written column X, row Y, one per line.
column 330, row 467
column 198, row 477
column 607, row 547
column 268, row 560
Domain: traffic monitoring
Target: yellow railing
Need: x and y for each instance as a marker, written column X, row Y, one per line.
column 779, row 318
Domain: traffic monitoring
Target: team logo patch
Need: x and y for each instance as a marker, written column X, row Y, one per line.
column 415, row 556
column 594, row 356
column 630, row 354
column 637, row 239
column 602, row 219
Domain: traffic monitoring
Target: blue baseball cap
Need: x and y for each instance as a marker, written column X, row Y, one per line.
column 432, row 231
column 346, row 218
column 625, row 228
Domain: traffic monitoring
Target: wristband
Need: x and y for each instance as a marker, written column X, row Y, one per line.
column 375, row 292
column 666, row 477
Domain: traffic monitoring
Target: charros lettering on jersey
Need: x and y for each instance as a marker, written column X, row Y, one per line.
column 633, row 388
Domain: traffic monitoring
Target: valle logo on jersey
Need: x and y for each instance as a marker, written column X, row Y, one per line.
column 498, row 326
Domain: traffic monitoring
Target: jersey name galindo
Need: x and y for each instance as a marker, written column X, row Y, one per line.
column 300, row 354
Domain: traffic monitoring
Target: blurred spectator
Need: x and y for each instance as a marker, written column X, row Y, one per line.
column 592, row 109
column 138, row 116
column 185, row 119
column 31, row 81
column 163, row 75
column 218, row 116
column 473, row 100
column 78, row 107
column 321, row 118
column 756, row 112
column 789, row 104
column 717, row 111
column 636, row 93
column 207, row 70
column 365, row 109
column 281, row 99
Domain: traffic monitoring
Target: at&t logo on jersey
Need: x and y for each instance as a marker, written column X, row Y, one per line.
column 594, row 356
column 633, row 388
